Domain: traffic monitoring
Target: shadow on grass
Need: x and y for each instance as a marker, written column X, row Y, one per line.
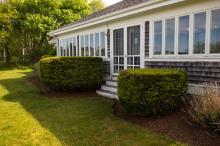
column 78, row 121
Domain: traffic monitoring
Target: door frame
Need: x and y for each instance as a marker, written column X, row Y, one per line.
column 142, row 44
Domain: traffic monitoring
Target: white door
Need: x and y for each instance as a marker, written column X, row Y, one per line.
column 118, row 51
column 133, row 47
column 126, row 56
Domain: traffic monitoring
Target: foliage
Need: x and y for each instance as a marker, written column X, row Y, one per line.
column 46, row 56
column 36, row 54
column 96, row 5
column 151, row 91
column 71, row 73
column 37, row 69
column 31, row 20
column 30, row 118
column 205, row 110
column 7, row 15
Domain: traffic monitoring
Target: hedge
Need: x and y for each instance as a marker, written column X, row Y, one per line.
column 71, row 73
column 151, row 91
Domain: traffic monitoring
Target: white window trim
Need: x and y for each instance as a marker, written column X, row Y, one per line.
column 190, row 54
column 62, row 43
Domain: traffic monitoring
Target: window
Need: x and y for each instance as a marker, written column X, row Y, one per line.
column 118, row 42
column 74, row 46
column 97, row 44
column 215, row 32
column 157, row 37
column 170, row 36
column 102, row 43
column 61, row 47
column 87, row 45
column 64, row 47
column 134, row 40
column 67, row 47
column 199, row 33
column 82, row 45
column 92, row 45
column 71, row 46
column 183, row 35
column 189, row 35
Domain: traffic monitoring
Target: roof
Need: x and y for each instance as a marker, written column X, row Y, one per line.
column 113, row 8
column 118, row 10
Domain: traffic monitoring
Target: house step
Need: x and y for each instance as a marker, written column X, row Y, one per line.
column 114, row 78
column 109, row 88
column 107, row 94
column 111, row 83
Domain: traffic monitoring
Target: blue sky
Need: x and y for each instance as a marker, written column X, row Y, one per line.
column 110, row 2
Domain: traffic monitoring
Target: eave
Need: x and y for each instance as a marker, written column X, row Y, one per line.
column 143, row 7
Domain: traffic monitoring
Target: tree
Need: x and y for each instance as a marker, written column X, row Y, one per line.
column 35, row 18
column 7, row 15
column 96, row 5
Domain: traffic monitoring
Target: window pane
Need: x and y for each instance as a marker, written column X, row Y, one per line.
column 199, row 33
column 74, row 46
column 215, row 32
column 87, row 45
column 71, row 46
column 92, row 45
column 61, row 47
column 97, row 44
column 134, row 40
column 170, row 36
column 82, row 45
column 158, row 37
column 118, row 42
column 183, row 35
column 67, row 47
column 102, row 39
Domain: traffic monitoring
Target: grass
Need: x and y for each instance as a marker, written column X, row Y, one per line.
column 29, row 118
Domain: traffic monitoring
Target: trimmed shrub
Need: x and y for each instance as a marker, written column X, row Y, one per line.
column 71, row 73
column 46, row 56
column 37, row 69
column 151, row 91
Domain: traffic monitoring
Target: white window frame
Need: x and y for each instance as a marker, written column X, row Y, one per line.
column 175, row 39
column 190, row 54
column 94, row 32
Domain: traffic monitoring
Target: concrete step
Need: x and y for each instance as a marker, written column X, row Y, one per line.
column 114, row 78
column 109, row 88
column 108, row 94
column 111, row 83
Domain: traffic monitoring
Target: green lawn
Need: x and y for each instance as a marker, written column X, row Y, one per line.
column 29, row 118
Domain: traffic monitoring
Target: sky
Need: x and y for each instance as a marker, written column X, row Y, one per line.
column 110, row 2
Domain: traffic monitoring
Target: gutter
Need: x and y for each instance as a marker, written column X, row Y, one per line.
column 115, row 15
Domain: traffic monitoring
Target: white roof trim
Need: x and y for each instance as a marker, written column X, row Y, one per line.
column 115, row 15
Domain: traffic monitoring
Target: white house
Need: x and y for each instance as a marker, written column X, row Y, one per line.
column 149, row 33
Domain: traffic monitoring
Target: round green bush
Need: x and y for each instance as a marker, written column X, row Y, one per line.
column 151, row 91
column 71, row 73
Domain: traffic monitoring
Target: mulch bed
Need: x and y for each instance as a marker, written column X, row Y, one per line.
column 175, row 125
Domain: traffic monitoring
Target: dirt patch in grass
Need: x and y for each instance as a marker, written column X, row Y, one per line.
column 57, row 94
column 175, row 125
